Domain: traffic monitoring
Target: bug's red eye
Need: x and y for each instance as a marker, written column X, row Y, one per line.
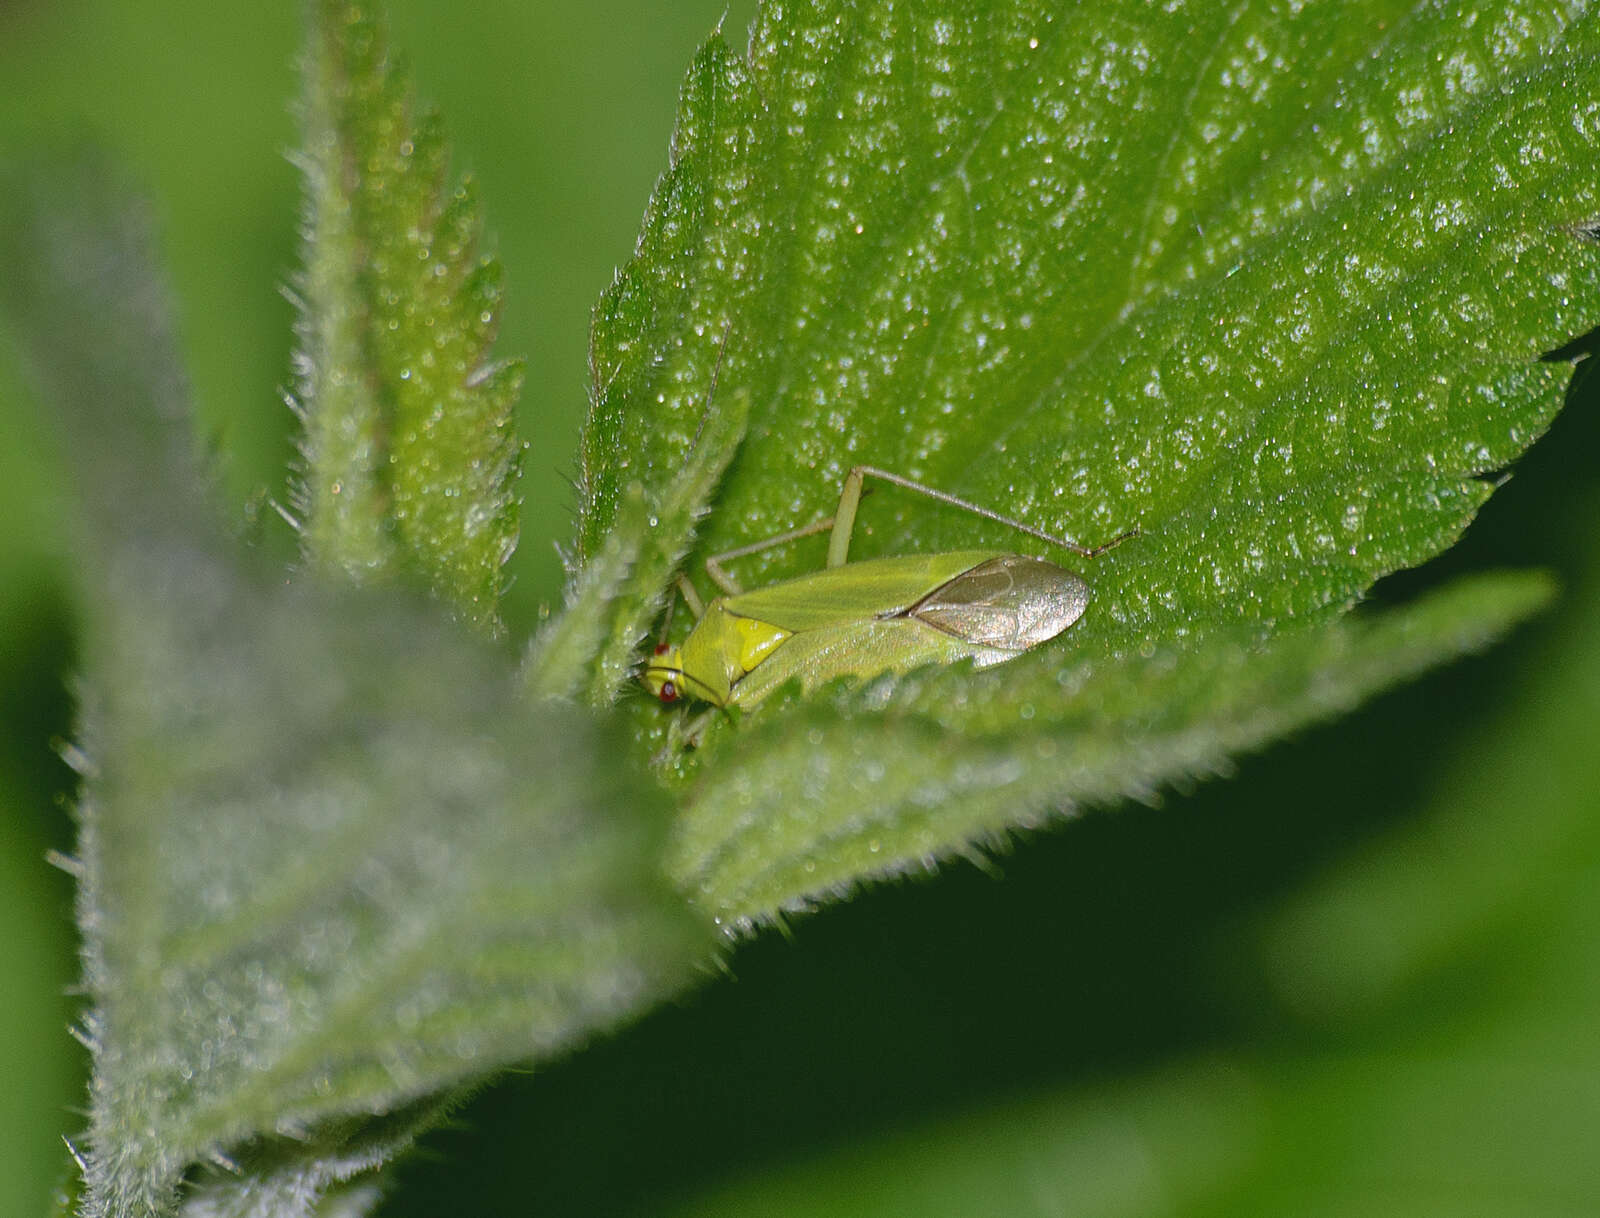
column 662, row 649
column 669, row 692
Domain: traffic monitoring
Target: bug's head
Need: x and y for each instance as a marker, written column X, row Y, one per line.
column 663, row 675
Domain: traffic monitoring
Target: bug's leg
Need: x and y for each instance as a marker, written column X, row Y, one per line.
column 666, row 624
column 691, row 597
column 695, row 731
column 1066, row 543
column 844, row 519
column 689, row 733
column 727, row 583
column 675, row 743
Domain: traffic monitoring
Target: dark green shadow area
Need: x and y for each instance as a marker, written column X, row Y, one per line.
column 42, row 1066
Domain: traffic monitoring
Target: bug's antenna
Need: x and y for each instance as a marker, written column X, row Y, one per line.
column 711, row 391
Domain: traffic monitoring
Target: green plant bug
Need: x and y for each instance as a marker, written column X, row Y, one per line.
column 866, row 618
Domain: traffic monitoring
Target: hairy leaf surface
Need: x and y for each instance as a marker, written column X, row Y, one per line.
column 1269, row 283
column 332, row 864
column 410, row 452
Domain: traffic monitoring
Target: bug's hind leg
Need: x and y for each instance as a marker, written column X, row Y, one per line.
column 852, row 493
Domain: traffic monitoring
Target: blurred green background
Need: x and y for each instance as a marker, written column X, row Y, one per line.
column 1358, row 977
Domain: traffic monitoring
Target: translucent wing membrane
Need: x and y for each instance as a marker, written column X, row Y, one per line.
column 1010, row 602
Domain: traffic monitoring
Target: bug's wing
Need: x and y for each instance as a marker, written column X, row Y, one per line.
column 856, row 592
column 1010, row 602
column 859, row 649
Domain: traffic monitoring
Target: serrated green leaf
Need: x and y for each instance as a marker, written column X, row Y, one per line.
column 410, row 451
column 326, row 1175
column 674, row 326
column 682, row 312
column 332, row 864
column 891, row 778
column 615, row 595
column 1268, row 283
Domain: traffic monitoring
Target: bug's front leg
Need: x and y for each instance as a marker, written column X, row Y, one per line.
column 688, row 733
column 728, row 584
column 691, row 598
